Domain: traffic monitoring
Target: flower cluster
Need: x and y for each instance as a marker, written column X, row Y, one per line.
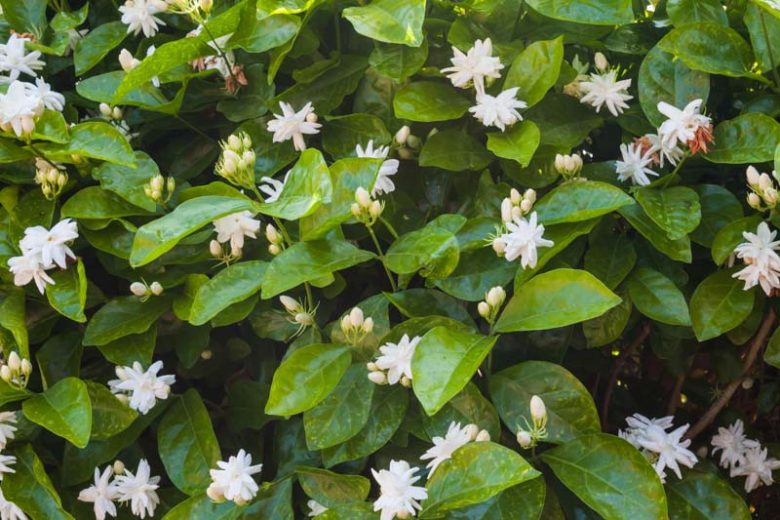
column 536, row 431
column 236, row 164
column 300, row 314
column 232, row 229
column 744, row 457
column 139, row 489
column 517, row 205
column 146, row 291
column 472, row 70
column 603, row 88
column 355, row 326
column 762, row 263
column 43, row 249
column 569, row 166
column 395, row 363
column 159, row 189
column 664, row 449
column 275, row 240
column 233, row 480
column 16, row 370
column 398, row 496
column 50, row 178
column 366, row 209
column 141, row 389
column 489, row 307
column 763, row 190
column 456, row 436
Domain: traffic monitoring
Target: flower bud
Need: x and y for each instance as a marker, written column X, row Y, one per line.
column 499, row 246
column 117, row 113
column 752, row 176
column 495, row 296
column 405, row 381
column 368, row 325
column 413, row 141
column 26, row 367
column 126, row 60
column 402, row 134
column 52, row 175
column 483, row 436
column 560, row 164
column 274, row 249
column 472, row 430
column 524, row 439
column 378, row 377
column 375, row 210
column 526, row 206
column 246, row 140
column 747, row 383
column 346, row 324
column 119, row 467
column 356, row 317
column 5, row 373
column 506, row 210
column 764, row 181
column 234, row 143
column 206, row 5
column 105, row 109
column 530, row 194
column 770, row 196
column 753, row 200
column 372, row 367
column 215, row 248
column 62, row 179
column 517, row 211
column 271, row 234
column 138, row 289
column 538, row 410
column 304, row 318
column 28, row 125
column 170, row 185
column 290, row 304
column 362, row 197
column 483, row 309
column 515, row 196
column 248, row 157
column 600, row 61
column 311, row 117
column 215, row 494
column 405, row 153
column 14, row 362
column 206, row 355
column 702, row 452
column 355, row 209
column 157, row 182
column 157, row 288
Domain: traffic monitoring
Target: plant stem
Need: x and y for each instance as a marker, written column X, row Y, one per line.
column 759, row 340
column 389, row 227
column 613, row 375
column 382, row 257
column 222, row 55
column 309, row 297
column 283, row 229
column 40, row 155
column 194, row 128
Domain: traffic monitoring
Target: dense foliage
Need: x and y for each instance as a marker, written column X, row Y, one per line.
column 474, row 259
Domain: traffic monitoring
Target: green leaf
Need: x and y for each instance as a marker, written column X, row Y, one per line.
column 749, row 138
column 555, row 299
column 51, row 126
column 257, row 33
column 676, row 210
column 306, row 187
column 432, row 249
column 525, row 500
column 110, row 416
column 161, row 235
column 429, row 101
column 306, row 377
column 343, row 413
column 563, row 121
column 307, row 261
column 477, row 272
column 68, row 295
column 682, row 12
column 701, row 496
column 764, row 30
column 719, row 304
column 444, row 362
column 570, row 408
column 609, row 326
column 596, row 12
column 131, row 348
column 187, row 443
column 577, row 201
column 710, row 47
column 331, row 489
column 98, row 42
column 101, row 89
column 231, row 285
column 30, row 488
column 679, row 249
column 96, row 140
column 518, row 144
column 12, row 317
column 388, row 408
column 389, row 21
column 10, row 152
column 535, row 70
column 12, row 394
column 201, row 507
column 658, row 298
column 27, row 16
column 730, row 236
column 398, row 61
column 467, row 407
column 123, row 316
column 455, row 151
column 93, row 202
column 343, row 133
column 64, row 409
column 129, row 182
column 719, row 207
column 610, row 257
column 474, row 473
column 662, row 78
column 610, row 476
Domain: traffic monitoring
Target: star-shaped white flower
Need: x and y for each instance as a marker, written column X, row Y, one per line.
column 606, row 89
column 669, row 447
column 233, row 228
column 473, row 67
column 757, row 468
column 522, row 239
column 294, row 125
column 681, row 125
column 635, row 165
column 101, row 493
column 28, row 268
column 7, row 428
column 384, row 183
column 399, row 497
column 139, row 16
column 762, row 262
column 15, row 60
column 142, row 387
column 733, row 443
column 51, row 245
column 233, row 480
column 9, row 510
column 396, row 358
column 6, row 461
column 140, row 489
column 51, row 100
column 499, row 111
column 272, row 188
column 19, row 107
column 666, row 150
column 444, row 447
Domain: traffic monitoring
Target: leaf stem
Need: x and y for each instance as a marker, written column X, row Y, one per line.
column 389, row 227
column 382, row 258
column 222, row 55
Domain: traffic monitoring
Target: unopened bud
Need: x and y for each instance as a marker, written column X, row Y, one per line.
column 355, row 209
column 506, row 210
column 752, row 176
column 215, row 248
column 14, row 362
column 538, row 410
column 274, row 249
column 206, row 355
column 271, row 234
column 206, row 5
column 530, row 194
column 157, row 182
column 753, row 200
column 483, row 309
column 483, row 436
column 170, row 185
column 362, row 197
column 515, row 196
column 117, row 113
column 234, row 143
column 375, row 210
column 346, row 324
column 524, row 439
column 471, row 430
column 405, row 381
column 157, row 288
column 311, row 117
column 499, row 246
column 770, row 196
column 526, row 206
column 702, row 452
column 764, row 181
column 124, row 398
column 62, row 179
column 138, row 289
column 402, row 134
column 289, row 303
column 356, row 317
column 119, row 467
column 26, row 367
column 405, row 153
column 105, row 109
column 601, row 62
column 747, row 383
column 215, row 494
column 495, row 296
column 378, row 377
column 126, row 60
column 5, row 373
column 517, row 211
column 372, row 367
column 304, row 318
column 413, row 141
column 368, row 325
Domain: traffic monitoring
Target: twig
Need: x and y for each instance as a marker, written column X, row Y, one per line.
column 674, row 400
column 755, row 347
column 618, row 366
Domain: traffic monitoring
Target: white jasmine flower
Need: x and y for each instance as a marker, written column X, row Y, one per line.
column 639, row 421
column 683, row 125
column 315, row 508
column 9, row 510
column 7, row 428
column 273, row 187
column 15, row 60
column 605, row 89
column 444, row 447
column 396, row 358
column 127, row 61
column 389, row 168
column 522, row 239
column 473, row 67
column 233, row 481
column 733, row 443
column 27, row 268
column 398, row 496
column 757, row 468
column 669, row 448
column 143, row 387
column 762, row 262
column 6, row 461
column 665, row 150
column 499, row 111
column 50, row 99
column 139, row 489
column 139, row 16
column 102, row 494
column 19, row 107
column 635, row 164
column 233, row 228
column 51, row 245
column 293, row 125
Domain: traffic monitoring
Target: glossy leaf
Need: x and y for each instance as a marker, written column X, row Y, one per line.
column 679, row 249
column 68, row 295
column 454, row 150
column 719, row 304
column 676, row 210
column 331, row 489
column 608, row 12
column 535, row 70
column 658, row 298
column 110, row 416
column 429, row 101
column 701, row 495
column 30, row 488
column 307, row 185
column 749, row 138
column 64, row 409
column 93, row 47
column 390, row 21
column 233, row 284
column 518, row 144
column 123, row 316
column 577, row 201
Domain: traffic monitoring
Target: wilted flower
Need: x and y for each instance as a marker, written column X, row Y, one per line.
column 733, row 444
column 757, row 468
